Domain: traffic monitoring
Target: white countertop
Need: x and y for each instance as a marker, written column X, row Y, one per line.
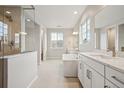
column 114, row 62
column 70, row 57
column 16, row 55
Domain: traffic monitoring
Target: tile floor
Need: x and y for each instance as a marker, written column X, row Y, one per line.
column 50, row 75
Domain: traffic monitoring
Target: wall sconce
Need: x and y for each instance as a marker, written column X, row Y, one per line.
column 23, row 33
column 75, row 33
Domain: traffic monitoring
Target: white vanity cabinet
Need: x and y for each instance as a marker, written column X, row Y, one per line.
column 87, row 77
column 81, row 70
column 116, row 77
column 97, row 72
column 91, row 77
column 109, row 84
column 97, row 80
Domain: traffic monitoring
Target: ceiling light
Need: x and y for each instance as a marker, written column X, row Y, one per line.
column 8, row 12
column 28, row 20
column 75, row 12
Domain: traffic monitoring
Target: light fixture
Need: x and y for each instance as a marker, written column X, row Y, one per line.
column 23, row 33
column 75, row 12
column 8, row 12
column 28, row 19
column 75, row 33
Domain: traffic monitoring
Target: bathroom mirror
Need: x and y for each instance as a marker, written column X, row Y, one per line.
column 109, row 28
column 10, row 27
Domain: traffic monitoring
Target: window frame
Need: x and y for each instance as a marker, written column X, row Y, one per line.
column 85, row 30
column 57, row 40
column 3, row 34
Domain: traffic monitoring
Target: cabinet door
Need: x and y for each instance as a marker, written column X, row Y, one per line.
column 80, row 74
column 97, row 80
column 109, row 84
column 92, row 79
column 87, row 76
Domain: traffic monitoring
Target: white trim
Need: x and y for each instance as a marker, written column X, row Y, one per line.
column 35, row 78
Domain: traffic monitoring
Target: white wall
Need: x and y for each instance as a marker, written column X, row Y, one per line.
column 89, row 12
column 68, row 43
column 103, row 39
column 76, row 37
column 22, row 70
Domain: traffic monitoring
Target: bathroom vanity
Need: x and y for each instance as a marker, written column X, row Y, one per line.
column 97, row 70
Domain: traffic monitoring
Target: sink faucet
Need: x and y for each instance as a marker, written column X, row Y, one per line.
column 113, row 51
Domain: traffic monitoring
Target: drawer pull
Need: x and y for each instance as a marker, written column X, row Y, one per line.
column 114, row 77
column 80, row 65
column 107, row 86
column 89, row 74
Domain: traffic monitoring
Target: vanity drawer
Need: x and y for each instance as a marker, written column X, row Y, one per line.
column 115, row 76
column 95, row 65
column 108, row 84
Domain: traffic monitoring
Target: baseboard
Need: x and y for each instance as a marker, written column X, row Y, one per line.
column 35, row 78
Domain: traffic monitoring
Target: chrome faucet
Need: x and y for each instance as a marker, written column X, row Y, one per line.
column 113, row 51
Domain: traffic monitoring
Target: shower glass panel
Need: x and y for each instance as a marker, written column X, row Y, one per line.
column 29, row 29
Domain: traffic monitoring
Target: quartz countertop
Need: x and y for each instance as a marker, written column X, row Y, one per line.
column 70, row 57
column 15, row 55
column 116, row 63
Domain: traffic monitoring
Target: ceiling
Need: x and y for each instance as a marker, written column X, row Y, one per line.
column 58, row 16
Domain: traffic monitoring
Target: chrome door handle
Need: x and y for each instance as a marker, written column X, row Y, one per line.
column 115, row 78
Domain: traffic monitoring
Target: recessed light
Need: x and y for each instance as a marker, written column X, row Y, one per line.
column 75, row 12
column 8, row 12
column 28, row 20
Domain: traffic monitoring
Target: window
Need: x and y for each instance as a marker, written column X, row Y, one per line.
column 85, row 31
column 56, row 39
column 4, row 32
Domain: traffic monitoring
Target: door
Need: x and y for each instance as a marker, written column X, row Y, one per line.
column 92, row 79
column 80, row 72
column 97, row 80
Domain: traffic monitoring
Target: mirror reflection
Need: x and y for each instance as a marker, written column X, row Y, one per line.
column 10, row 20
column 17, row 26
column 109, row 29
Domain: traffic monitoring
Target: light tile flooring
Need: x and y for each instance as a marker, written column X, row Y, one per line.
column 50, row 75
